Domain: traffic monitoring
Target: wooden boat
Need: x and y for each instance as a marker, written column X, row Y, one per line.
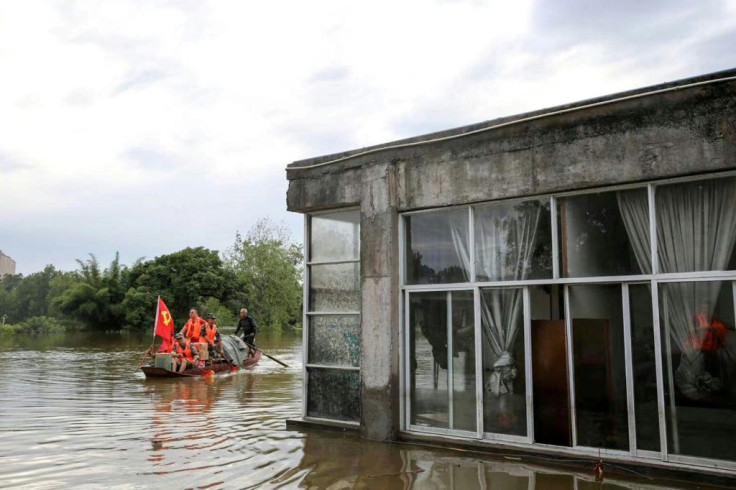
column 236, row 358
column 215, row 366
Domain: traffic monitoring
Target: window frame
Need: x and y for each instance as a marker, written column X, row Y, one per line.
column 307, row 314
column 653, row 279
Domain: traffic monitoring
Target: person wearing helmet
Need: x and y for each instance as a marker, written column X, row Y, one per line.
column 183, row 353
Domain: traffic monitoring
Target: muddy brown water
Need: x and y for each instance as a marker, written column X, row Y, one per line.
column 74, row 412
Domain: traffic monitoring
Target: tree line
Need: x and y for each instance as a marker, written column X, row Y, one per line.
column 261, row 271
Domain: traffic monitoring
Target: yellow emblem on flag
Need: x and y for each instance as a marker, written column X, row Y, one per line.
column 166, row 316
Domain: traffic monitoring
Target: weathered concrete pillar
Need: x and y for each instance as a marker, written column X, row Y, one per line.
column 380, row 306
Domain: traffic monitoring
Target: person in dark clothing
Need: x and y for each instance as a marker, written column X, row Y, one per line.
column 249, row 327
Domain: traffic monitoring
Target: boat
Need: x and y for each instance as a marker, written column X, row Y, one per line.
column 236, row 358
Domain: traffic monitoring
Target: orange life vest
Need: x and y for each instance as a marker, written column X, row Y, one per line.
column 192, row 328
column 210, row 332
column 186, row 350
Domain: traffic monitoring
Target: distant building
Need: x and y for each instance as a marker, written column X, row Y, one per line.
column 562, row 281
column 7, row 265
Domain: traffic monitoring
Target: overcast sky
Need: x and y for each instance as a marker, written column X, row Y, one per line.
column 148, row 126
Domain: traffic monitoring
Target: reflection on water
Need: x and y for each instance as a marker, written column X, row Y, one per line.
column 75, row 412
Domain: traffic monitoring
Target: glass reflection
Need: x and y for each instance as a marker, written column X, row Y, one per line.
column 696, row 225
column 442, row 386
column 549, row 366
column 437, row 247
column 335, row 236
column 699, row 342
column 600, row 374
column 644, row 367
column 513, row 241
column 333, row 394
column 334, row 287
column 605, row 234
column 463, row 362
column 334, row 340
column 504, row 372
column 429, row 383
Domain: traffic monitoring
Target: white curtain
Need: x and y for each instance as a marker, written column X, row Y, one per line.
column 634, row 207
column 459, row 234
column 505, row 239
column 696, row 231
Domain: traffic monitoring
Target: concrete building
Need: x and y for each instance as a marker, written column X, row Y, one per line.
column 561, row 281
column 7, row 265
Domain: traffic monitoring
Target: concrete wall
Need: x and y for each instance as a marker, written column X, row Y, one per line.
column 677, row 133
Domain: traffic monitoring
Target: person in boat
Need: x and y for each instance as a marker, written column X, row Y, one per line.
column 248, row 325
column 184, row 354
column 211, row 335
column 192, row 329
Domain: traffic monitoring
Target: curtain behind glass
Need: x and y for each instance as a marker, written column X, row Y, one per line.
column 696, row 231
column 437, row 247
column 505, row 239
column 634, row 208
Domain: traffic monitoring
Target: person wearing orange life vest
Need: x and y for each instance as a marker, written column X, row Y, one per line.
column 211, row 335
column 183, row 353
column 192, row 329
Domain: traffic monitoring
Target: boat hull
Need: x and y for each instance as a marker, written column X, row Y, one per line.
column 219, row 366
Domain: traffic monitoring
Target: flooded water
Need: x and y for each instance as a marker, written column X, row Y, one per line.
column 75, row 412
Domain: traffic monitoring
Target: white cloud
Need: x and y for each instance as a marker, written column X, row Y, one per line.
column 118, row 118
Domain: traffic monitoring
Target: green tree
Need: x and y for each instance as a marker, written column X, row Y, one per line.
column 184, row 279
column 32, row 293
column 97, row 298
column 268, row 265
column 8, row 298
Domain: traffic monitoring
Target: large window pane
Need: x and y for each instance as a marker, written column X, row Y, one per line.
column 464, row 404
column 438, row 247
column 605, row 234
column 644, row 367
column 513, row 241
column 335, row 236
column 428, row 359
column 696, row 225
column 334, row 340
column 504, row 386
column 699, row 345
column 334, row 287
column 333, row 394
column 600, row 374
column 549, row 367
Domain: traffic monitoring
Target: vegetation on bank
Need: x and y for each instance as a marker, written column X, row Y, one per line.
column 262, row 271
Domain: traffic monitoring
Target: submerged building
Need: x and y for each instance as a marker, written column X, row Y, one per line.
column 562, row 281
column 7, row 265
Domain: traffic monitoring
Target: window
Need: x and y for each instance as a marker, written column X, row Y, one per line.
column 437, row 247
column 696, row 225
column 332, row 368
column 504, row 371
column 604, row 234
column 442, row 360
column 699, row 342
column 549, row 321
column 513, row 241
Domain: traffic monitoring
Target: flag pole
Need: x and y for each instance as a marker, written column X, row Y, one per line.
column 155, row 319
column 153, row 340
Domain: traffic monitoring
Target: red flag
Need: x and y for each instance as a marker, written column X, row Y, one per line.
column 164, row 326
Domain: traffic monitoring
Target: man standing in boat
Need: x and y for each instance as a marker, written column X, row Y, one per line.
column 249, row 327
column 184, row 353
column 192, row 329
